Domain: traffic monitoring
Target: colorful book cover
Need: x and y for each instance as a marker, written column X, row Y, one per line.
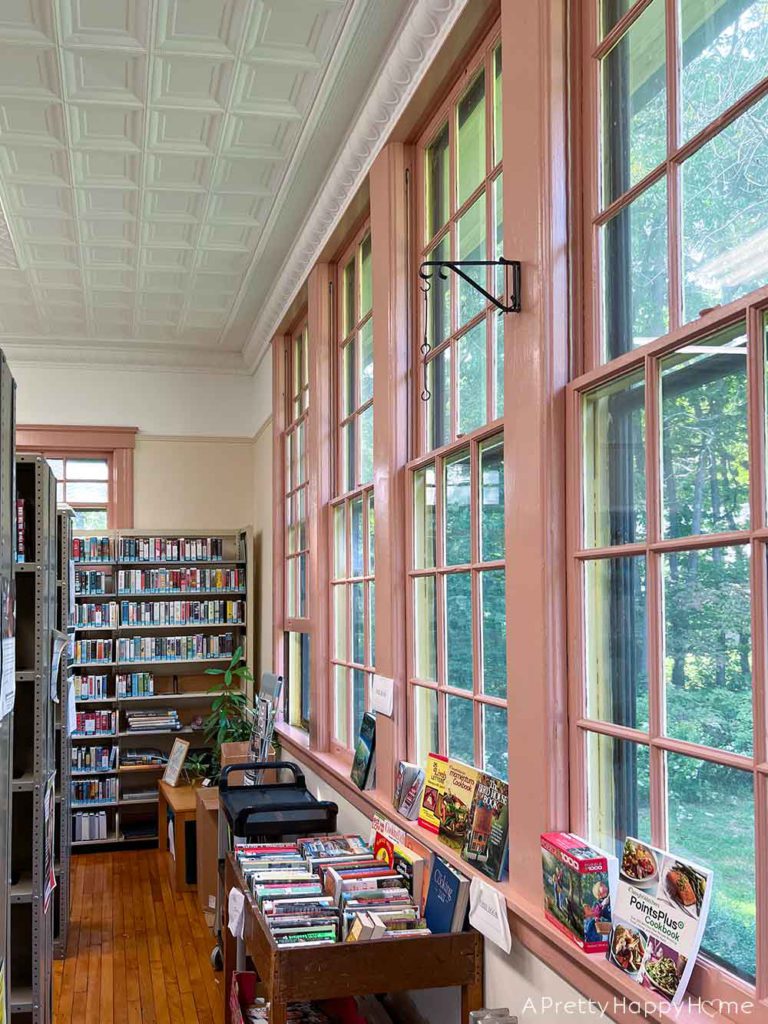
column 446, row 904
column 364, row 751
column 579, row 883
column 660, row 913
column 435, row 779
column 487, row 831
column 456, row 802
column 409, row 783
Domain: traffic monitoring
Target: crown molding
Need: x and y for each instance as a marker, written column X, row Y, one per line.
column 418, row 41
column 125, row 355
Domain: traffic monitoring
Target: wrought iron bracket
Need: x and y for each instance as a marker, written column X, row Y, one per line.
column 511, row 278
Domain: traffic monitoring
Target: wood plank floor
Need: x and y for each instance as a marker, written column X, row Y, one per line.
column 137, row 953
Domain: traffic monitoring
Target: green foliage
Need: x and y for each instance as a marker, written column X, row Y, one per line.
column 230, row 719
column 197, row 765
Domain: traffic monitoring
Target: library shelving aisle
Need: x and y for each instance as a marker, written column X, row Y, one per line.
column 64, row 621
column 154, row 610
column 33, row 801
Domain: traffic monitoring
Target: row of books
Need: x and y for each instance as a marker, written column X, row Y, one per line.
column 91, row 687
column 151, row 721
column 93, row 758
column 110, row 614
column 169, row 581
column 87, row 722
column 142, row 758
column 171, row 549
column 91, row 549
column 90, row 791
column 23, row 521
column 87, row 652
column 99, row 614
column 135, row 684
column 175, row 648
column 91, row 581
column 87, row 825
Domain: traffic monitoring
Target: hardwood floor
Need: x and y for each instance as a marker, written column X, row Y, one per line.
column 137, row 953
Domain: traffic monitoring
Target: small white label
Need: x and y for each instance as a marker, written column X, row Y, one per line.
column 211, row 902
column 382, row 694
column 488, row 913
column 236, row 908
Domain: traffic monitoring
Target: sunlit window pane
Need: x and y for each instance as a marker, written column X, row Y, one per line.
column 302, row 584
column 458, row 630
column 366, row 446
column 614, row 462
column 497, row 326
column 90, row 519
column 495, row 742
column 471, row 138
column 471, row 230
column 618, row 791
column 372, row 622
column 57, row 467
column 725, row 214
column 341, row 704
column 439, row 296
column 492, row 499
column 359, row 689
column 498, row 133
column 425, row 722
column 358, row 624
column 300, row 503
column 291, row 529
column 349, row 455
column 612, row 11
column 616, row 641
column 634, row 101
column 458, row 536
column 82, row 492
column 494, row 638
column 635, row 274
column 704, row 436
column 366, row 361
column 461, row 734
column 438, row 183
column 87, row 469
column 340, row 541
column 348, row 373
column 356, row 536
column 471, row 378
column 348, row 298
column 439, row 404
column 708, row 647
column 498, row 236
column 425, row 627
column 712, row 821
column 366, row 268
column 340, row 618
column 424, row 536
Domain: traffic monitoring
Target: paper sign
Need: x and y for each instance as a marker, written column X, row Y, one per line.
column 60, row 641
column 71, row 708
column 236, row 912
column 393, row 832
column 8, row 677
column 382, row 694
column 488, row 913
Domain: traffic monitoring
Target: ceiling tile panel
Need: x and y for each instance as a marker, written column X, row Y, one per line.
column 29, row 72
column 30, row 122
column 104, row 77
column 184, row 131
column 293, row 32
column 26, row 21
column 104, row 23
column 39, row 164
column 117, row 203
column 97, row 126
column 201, row 26
column 173, row 204
column 199, row 83
column 187, row 172
column 105, row 169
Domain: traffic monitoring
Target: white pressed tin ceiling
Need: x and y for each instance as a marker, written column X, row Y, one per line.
column 142, row 147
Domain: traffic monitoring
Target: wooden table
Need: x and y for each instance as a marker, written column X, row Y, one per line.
column 295, row 974
column 182, row 801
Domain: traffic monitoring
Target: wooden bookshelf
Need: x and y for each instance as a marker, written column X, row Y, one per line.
column 178, row 684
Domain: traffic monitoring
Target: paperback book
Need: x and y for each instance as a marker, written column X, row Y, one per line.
column 456, row 802
column 447, row 899
column 409, row 784
column 365, row 751
column 486, row 838
column 435, row 778
column 661, row 908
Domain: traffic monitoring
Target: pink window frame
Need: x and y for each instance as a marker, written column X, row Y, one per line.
column 295, row 623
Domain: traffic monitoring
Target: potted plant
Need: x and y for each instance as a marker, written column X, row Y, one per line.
column 230, row 720
column 197, row 766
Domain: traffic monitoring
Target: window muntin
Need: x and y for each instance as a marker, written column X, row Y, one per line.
column 679, row 212
column 84, row 482
column 457, row 605
column 462, row 219
column 296, row 475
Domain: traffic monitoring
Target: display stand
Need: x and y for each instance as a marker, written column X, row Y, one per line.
column 65, row 519
column 350, row 968
column 183, row 804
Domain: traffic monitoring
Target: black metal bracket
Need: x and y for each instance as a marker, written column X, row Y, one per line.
column 511, row 278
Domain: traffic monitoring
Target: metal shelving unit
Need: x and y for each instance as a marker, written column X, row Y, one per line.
column 183, row 683
column 34, row 767
column 65, row 519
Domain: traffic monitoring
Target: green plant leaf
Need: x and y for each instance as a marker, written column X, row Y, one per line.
column 214, row 671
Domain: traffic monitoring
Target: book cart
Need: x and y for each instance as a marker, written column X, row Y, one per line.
column 33, row 778
column 132, row 811
column 65, row 519
column 298, row 974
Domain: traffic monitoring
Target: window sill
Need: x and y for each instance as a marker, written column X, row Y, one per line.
column 590, row 974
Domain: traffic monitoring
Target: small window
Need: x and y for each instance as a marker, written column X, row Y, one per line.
column 84, row 483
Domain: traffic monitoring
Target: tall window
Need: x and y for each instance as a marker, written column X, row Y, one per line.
column 296, row 534
column 669, row 561
column 456, row 597
column 352, row 584
column 461, row 218
column 84, row 483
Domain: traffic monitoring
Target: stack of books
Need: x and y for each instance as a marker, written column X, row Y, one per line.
column 142, row 758
column 159, row 719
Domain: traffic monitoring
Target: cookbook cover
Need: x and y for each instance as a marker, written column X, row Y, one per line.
column 434, row 788
column 487, row 832
column 455, row 803
column 659, row 918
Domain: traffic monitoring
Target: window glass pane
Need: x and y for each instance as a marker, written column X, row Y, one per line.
column 498, row 235
column 616, row 641
column 341, row 644
column 341, row 705
column 57, row 467
column 426, row 739
column 471, row 246
column 458, row 537
column 425, row 627
column 348, row 318
column 439, row 404
column 291, row 530
column 340, row 541
column 301, row 516
column 349, row 456
column 494, row 638
column 59, row 492
column 359, row 687
column 439, row 296
column 498, row 131
column 634, row 99
column 356, row 506
column 366, row 268
column 358, row 624
column 611, row 11
column 85, row 492
column 635, row 273
column 371, row 533
column 492, row 499
column 723, row 55
column 348, row 373
column 87, row 469
column 495, row 745
column 497, row 326
column 300, row 452
column 290, row 587
column 614, row 462
column 366, row 446
column 711, row 811
column 90, row 519
column 458, row 630
column 725, row 214
column 471, row 138
column 366, row 361
column 289, row 472
column 704, row 436
column 438, row 183
column 708, row 647
column 424, row 497
column 461, row 734
column 372, row 622
column 618, row 791
column 471, row 368
column 305, row 694
column 302, row 583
